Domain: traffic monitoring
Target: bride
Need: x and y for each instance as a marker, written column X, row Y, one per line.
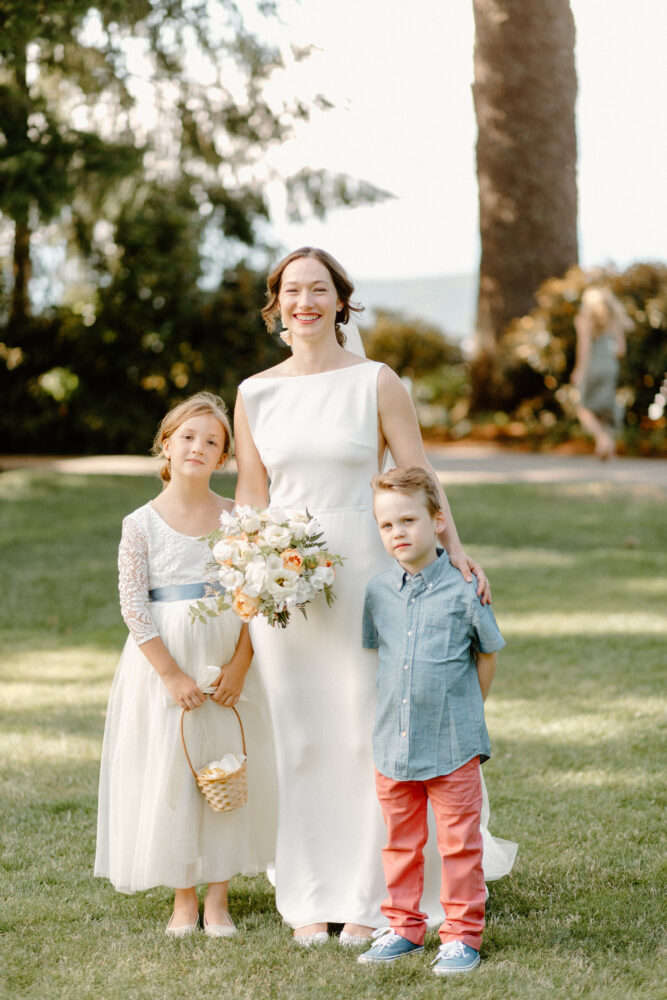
column 318, row 426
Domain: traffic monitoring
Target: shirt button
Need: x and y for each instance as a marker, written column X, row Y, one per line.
column 405, row 701
column 412, row 600
column 405, row 666
column 404, row 733
column 430, row 586
column 410, row 632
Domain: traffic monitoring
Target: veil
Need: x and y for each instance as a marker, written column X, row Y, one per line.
column 352, row 337
column 354, row 344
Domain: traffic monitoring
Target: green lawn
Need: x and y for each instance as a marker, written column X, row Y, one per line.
column 580, row 592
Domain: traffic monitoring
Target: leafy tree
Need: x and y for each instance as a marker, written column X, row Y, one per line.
column 45, row 161
column 524, row 91
column 412, row 348
column 141, row 200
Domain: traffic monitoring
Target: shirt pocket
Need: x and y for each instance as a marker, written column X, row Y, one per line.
column 446, row 636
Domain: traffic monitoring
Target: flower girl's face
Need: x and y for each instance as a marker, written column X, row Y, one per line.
column 196, row 448
column 308, row 299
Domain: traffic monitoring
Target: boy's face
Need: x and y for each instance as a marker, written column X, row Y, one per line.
column 408, row 531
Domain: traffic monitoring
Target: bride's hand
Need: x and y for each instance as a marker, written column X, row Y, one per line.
column 467, row 567
column 229, row 685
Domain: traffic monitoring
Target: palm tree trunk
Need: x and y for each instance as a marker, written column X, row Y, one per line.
column 524, row 91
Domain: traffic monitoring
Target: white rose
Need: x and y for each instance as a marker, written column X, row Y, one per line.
column 255, row 578
column 313, row 527
column 323, row 576
column 276, row 515
column 230, row 578
column 229, row 523
column 276, row 536
column 305, row 591
column 249, row 519
column 224, row 551
column 282, row 584
column 297, row 530
column 245, row 552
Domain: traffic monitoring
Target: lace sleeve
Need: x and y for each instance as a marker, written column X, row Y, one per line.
column 133, row 583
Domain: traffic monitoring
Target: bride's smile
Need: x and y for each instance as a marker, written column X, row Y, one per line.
column 308, row 298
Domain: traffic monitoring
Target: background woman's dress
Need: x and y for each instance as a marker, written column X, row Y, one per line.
column 317, row 436
column 598, row 388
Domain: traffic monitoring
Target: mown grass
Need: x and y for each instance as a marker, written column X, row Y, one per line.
column 575, row 715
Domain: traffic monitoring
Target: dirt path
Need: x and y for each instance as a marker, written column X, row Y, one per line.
column 459, row 464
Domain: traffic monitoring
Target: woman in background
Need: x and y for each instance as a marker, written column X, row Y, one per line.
column 600, row 324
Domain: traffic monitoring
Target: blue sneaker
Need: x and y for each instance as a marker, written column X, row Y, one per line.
column 388, row 947
column 453, row 957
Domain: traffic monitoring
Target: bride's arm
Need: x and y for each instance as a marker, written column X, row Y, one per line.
column 400, row 430
column 253, row 483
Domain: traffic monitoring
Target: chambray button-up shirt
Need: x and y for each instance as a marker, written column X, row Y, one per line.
column 430, row 712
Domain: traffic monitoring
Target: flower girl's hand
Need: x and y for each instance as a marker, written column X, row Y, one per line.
column 229, row 684
column 184, row 690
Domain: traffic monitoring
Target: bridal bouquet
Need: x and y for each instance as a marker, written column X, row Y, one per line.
column 268, row 562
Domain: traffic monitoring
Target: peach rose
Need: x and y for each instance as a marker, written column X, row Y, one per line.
column 245, row 607
column 292, row 559
column 324, row 561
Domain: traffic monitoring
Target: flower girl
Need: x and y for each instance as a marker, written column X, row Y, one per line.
column 154, row 826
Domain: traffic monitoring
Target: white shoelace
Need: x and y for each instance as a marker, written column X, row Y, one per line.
column 386, row 935
column 451, row 949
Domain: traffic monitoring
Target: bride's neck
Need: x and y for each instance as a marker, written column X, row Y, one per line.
column 312, row 359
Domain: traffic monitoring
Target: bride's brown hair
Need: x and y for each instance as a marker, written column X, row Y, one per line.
column 342, row 284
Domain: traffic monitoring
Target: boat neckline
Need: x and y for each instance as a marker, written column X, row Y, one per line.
column 331, row 371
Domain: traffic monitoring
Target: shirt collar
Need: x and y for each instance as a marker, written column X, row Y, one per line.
column 428, row 573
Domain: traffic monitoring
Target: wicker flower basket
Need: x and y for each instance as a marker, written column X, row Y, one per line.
column 227, row 791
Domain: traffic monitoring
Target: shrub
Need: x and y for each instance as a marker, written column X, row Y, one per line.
column 412, row 348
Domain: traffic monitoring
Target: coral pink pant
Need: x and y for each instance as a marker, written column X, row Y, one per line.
column 456, row 800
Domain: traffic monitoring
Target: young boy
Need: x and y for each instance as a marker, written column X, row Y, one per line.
column 437, row 656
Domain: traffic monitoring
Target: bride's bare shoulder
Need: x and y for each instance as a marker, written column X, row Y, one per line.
column 277, row 370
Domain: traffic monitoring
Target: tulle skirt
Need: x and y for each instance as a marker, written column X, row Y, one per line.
column 154, row 826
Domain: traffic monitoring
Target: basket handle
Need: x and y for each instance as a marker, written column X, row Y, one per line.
column 187, row 755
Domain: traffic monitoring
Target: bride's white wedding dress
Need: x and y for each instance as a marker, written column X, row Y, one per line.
column 317, row 437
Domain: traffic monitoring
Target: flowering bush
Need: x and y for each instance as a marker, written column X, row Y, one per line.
column 268, row 562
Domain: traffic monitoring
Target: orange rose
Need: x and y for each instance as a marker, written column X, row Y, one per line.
column 292, row 559
column 245, row 607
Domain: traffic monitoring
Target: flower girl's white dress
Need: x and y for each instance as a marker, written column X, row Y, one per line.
column 154, row 826
column 317, row 436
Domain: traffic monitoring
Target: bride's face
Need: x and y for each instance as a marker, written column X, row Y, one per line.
column 308, row 300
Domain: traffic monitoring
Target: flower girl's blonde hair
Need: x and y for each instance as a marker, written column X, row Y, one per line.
column 195, row 406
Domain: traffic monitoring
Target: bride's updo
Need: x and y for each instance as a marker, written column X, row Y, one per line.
column 342, row 284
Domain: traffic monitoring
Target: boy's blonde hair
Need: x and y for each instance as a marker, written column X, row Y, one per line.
column 410, row 479
column 202, row 403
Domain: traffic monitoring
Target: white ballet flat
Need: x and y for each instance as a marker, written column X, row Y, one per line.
column 308, row 940
column 183, row 931
column 219, row 930
column 354, row 940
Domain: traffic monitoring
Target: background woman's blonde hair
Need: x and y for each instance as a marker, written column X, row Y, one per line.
column 202, row 403
column 342, row 284
column 410, row 479
column 601, row 309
